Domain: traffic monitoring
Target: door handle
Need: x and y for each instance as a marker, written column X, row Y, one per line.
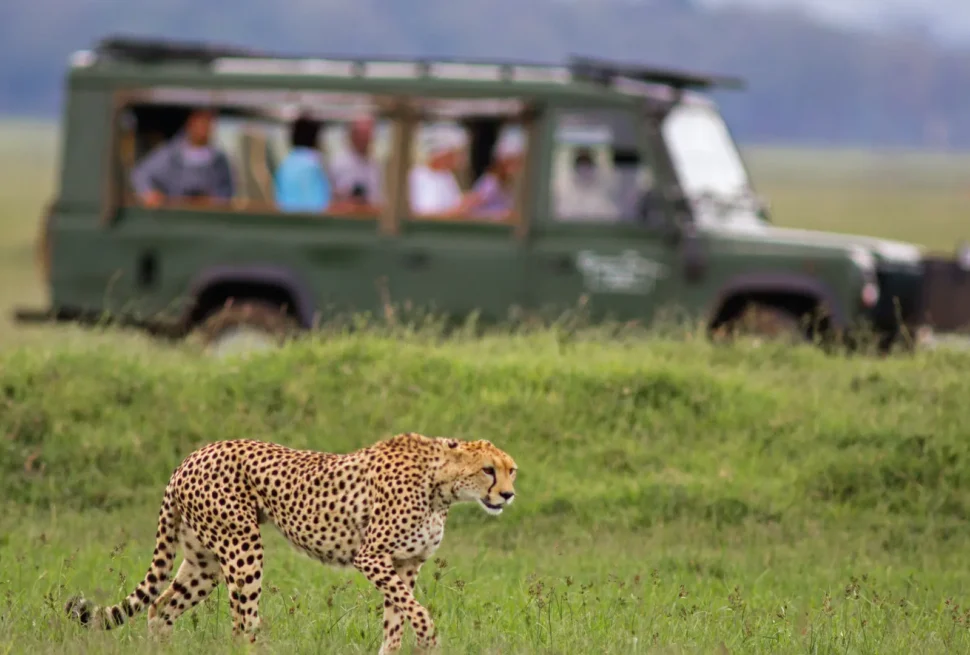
column 416, row 259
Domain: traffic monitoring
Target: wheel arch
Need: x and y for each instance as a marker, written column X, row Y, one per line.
column 212, row 287
column 789, row 291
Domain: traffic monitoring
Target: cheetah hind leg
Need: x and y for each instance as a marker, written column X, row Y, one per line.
column 242, row 569
column 196, row 578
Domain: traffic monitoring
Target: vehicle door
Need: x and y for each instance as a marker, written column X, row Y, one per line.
column 448, row 263
column 593, row 243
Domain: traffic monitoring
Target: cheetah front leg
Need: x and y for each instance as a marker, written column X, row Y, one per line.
column 408, row 570
column 379, row 569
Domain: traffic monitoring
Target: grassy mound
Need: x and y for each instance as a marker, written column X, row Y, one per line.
column 605, row 435
column 661, row 474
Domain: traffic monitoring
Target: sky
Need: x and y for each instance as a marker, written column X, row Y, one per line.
column 948, row 20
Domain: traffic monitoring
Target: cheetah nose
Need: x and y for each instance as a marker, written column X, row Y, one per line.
column 507, row 495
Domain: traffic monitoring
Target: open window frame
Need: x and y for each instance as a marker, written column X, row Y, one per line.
column 166, row 107
column 402, row 113
column 482, row 119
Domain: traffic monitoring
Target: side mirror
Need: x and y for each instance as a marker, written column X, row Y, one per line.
column 764, row 209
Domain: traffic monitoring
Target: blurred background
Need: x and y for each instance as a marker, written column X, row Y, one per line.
column 860, row 72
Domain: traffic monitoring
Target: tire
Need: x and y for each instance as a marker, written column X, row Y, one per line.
column 765, row 322
column 264, row 325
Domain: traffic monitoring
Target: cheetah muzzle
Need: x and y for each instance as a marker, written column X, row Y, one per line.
column 380, row 509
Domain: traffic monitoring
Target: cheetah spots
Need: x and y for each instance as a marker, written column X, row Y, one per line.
column 381, row 509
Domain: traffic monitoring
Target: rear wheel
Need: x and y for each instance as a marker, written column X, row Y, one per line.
column 243, row 326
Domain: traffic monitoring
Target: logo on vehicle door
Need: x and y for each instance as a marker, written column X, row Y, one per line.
column 627, row 272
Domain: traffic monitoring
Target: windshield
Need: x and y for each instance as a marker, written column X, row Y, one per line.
column 709, row 166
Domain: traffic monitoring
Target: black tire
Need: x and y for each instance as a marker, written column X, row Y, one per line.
column 765, row 322
column 260, row 319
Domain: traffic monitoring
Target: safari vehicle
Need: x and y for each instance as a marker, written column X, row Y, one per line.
column 670, row 221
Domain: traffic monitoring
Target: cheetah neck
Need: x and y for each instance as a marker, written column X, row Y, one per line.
column 443, row 493
column 441, row 499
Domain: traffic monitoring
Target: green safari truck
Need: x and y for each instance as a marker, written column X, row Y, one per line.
column 453, row 186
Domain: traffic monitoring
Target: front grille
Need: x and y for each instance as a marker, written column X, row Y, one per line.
column 899, row 299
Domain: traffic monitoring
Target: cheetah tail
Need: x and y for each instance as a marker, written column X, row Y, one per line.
column 87, row 614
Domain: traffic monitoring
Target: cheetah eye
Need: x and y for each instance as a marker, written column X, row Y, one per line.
column 489, row 470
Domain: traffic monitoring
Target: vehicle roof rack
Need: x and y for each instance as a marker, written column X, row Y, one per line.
column 154, row 49
column 578, row 67
column 151, row 50
column 604, row 71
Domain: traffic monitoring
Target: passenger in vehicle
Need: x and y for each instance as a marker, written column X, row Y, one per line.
column 186, row 167
column 301, row 183
column 433, row 186
column 494, row 193
column 356, row 173
column 585, row 195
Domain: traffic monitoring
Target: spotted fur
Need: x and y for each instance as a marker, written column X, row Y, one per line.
column 381, row 510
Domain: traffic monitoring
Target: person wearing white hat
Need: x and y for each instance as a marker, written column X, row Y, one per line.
column 432, row 185
column 494, row 192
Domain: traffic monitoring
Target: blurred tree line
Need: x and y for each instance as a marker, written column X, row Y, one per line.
column 808, row 82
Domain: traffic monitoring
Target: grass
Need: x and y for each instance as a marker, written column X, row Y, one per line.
column 674, row 497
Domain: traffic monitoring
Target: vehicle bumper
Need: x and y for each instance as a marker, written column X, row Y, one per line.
column 945, row 296
column 925, row 305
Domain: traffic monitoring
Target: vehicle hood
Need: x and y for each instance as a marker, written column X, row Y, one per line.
column 885, row 250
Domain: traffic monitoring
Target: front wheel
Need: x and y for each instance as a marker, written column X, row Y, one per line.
column 764, row 322
column 245, row 326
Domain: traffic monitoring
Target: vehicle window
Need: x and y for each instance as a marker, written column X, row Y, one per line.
column 276, row 152
column 599, row 174
column 467, row 161
column 709, row 165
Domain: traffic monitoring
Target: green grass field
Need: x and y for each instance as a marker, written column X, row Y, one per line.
column 674, row 497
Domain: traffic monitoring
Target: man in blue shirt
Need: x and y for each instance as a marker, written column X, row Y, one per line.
column 301, row 183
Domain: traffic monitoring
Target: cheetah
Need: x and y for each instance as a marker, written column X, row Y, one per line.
column 380, row 510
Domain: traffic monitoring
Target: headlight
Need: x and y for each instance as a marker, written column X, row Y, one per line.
column 864, row 259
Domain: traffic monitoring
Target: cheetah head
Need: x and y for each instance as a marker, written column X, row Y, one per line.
column 478, row 472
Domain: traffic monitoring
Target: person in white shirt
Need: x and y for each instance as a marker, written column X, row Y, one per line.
column 432, row 185
column 356, row 174
column 585, row 193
